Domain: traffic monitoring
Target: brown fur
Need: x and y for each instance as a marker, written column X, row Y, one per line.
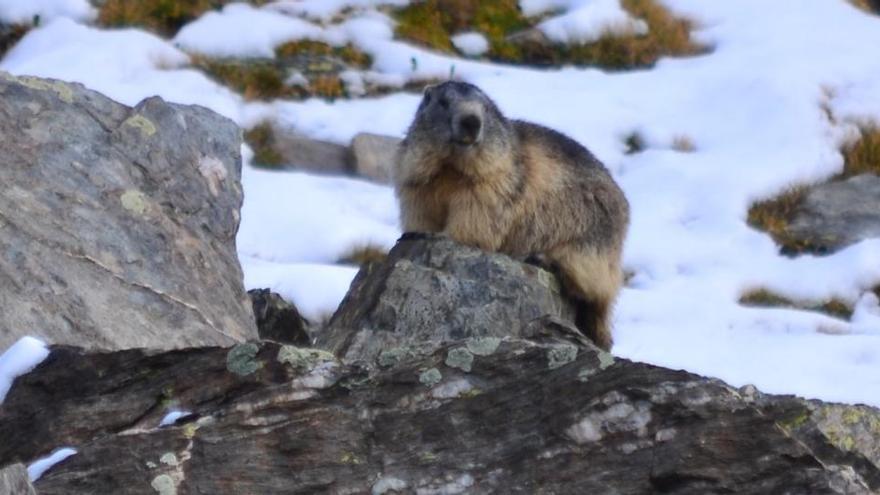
column 516, row 188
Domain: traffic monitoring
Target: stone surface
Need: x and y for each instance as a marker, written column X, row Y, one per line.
column 299, row 152
column 14, row 481
column 374, row 156
column 430, row 288
column 117, row 224
column 515, row 401
column 300, row 422
column 837, row 214
column 277, row 319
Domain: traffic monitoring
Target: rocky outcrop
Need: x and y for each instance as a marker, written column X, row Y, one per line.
column 277, row 319
column 430, row 289
column 839, row 213
column 117, row 224
column 454, row 403
column 14, row 481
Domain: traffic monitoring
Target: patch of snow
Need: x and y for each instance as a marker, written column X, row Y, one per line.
column 585, row 21
column 324, row 10
column 472, row 44
column 173, row 416
column 126, row 65
column 20, row 358
column 40, row 466
column 24, row 11
column 241, row 30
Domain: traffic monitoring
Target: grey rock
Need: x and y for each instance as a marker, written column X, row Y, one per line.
column 530, row 408
column 837, row 214
column 374, row 156
column 117, row 224
column 431, row 289
column 299, row 152
column 14, row 481
column 277, row 319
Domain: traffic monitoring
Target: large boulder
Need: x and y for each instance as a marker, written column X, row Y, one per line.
column 117, row 224
column 524, row 406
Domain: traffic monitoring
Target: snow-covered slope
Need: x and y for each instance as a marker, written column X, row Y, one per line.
column 752, row 109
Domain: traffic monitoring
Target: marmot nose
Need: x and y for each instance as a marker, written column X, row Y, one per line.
column 468, row 128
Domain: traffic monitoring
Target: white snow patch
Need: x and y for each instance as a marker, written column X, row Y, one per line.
column 173, row 416
column 324, row 10
column 40, row 466
column 240, row 30
column 126, row 65
column 586, row 21
column 20, row 358
column 472, row 44
column 24, row 11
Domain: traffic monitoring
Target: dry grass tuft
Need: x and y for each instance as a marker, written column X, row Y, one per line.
column 635, row 143
column 362, row 255
column 863, row 155
column 774, row 215
column 261, row 139
column 432, row 22
column 766, row 298
column 683, row 144
column 164, row 17
column 10, row 34
column 310, row 48
column 254, row 79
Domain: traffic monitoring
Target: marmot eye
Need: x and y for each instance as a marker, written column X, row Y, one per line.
column 444, row 103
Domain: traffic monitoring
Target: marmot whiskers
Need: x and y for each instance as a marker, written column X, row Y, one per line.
column 517, row 188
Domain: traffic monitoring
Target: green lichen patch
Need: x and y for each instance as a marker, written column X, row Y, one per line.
column 242, row 359
column 394, row 356
column 560, row 355
column 483, row 346
column 430, row 377
column 303, row 358
column 134, row 201
column 60, row 88
column 164, row 485
column 460, row 358
column 145, row 125
column 835, row 307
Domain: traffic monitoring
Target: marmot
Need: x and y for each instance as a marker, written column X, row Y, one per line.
column 518, row 188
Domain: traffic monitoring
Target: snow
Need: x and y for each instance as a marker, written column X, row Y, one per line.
column 586, row 21
column 173, row 416
column 20, row 358
column 24, row 11
column 471, row 44
column 752, row 108
column 240, row 30
column 324, row 10
column 40, row 466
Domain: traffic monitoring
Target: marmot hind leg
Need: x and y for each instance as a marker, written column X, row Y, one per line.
column 593, row 280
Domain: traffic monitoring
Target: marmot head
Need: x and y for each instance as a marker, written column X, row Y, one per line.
column 457, row 114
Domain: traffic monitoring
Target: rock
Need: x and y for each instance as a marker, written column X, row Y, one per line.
column 432, row 289
column 374, row 156
column 298, row 152
column 14, row 481
column 300, row 422
column 277, row 319
column 117, row 224
column 837, row 214
column 523, row 404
